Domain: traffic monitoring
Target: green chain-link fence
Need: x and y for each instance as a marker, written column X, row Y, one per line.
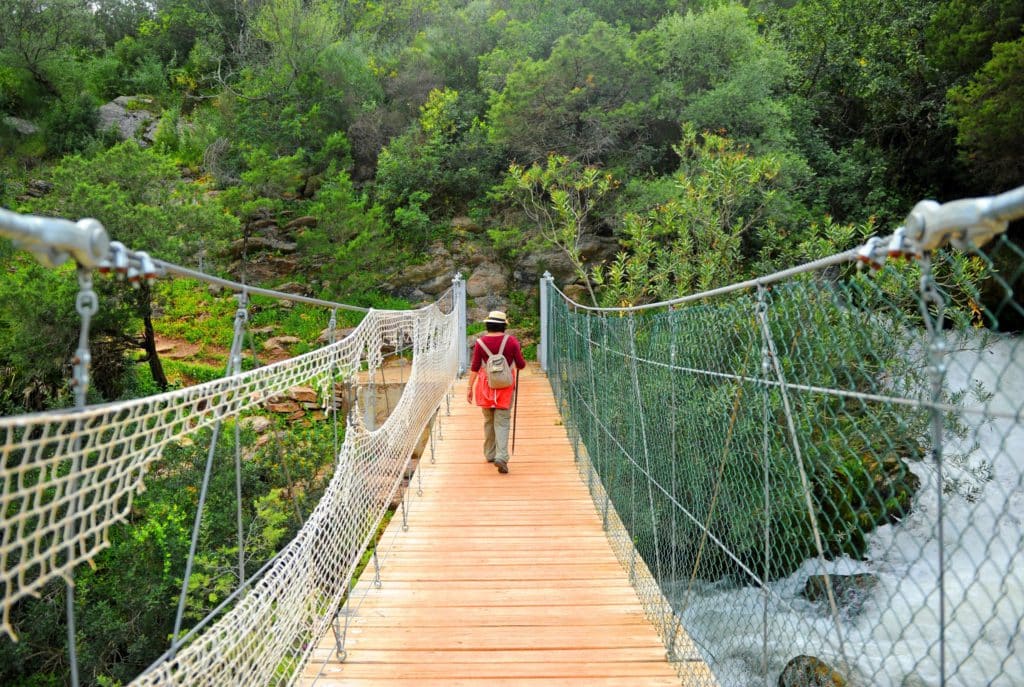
column 817, row 478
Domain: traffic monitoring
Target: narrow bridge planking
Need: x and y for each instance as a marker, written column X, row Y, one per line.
column 500, row 579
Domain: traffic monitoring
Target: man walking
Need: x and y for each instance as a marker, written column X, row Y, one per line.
column 495, row 403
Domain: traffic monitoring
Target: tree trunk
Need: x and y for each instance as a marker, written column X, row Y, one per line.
column 156, row 369
column 149, row 343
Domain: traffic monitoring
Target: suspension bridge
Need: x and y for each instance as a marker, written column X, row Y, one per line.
column 812, row 475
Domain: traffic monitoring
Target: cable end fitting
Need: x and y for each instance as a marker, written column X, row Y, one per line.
column 872, row 253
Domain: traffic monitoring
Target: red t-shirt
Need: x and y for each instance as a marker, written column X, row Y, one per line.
column 484, row 395
column 513, row 352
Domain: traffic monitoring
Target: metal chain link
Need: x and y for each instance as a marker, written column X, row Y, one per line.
column 87, row 305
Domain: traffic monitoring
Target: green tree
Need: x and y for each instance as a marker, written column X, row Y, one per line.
column 700, row 237
column 456, row 41
column 397, row 21
column 578, row 103
column 350, row 245
column 876, row 95
column 125, row 605
column 279, row 98
column 39, row 334
column 961, row 34
column 528, row 31
column 716, row 71
column 559, row 198
column 140, row 198
column 120, row 18
column 988, row 111
column 443, row 160
column 36, row 36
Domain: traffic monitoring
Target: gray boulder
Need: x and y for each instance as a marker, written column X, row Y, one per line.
column 851, row 591
column 129, row 116
column 22, row 126
column 530, row 269
column 808, row 671
column 487, row 279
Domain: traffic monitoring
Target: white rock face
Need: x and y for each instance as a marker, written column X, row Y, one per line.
column 22, row 126
column 127, row 114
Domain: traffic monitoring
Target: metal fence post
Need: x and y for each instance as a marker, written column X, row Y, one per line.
column 545, row 294
column 459, row 287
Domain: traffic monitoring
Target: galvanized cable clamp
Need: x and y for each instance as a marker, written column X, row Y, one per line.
column 54, row 240
column 132, row 266
column 964, row 224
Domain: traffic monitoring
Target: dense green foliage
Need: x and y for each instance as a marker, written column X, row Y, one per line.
column 704, row 140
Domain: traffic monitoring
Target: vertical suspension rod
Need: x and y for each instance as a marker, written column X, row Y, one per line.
column 241, row 316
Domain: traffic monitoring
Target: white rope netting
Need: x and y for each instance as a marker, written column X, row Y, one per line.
column 67, row 477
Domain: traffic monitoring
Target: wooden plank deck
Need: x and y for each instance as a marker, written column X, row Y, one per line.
column 500, row 579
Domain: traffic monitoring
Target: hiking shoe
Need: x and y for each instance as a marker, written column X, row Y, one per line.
column 489, row 460
column 502, row 467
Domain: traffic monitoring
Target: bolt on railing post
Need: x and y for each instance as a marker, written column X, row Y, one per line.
column 545, row 295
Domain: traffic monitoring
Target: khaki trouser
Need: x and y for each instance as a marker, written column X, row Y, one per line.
column 496, row 434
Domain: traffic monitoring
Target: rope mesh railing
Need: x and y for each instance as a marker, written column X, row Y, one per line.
column 815, row 472
column 274, row 627
column 67, row 477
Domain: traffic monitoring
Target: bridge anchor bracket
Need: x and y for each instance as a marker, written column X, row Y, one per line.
column 340, row 632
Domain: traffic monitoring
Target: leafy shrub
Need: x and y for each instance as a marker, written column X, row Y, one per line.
column 103, row 76
column 70, row 124
column 148, row 77
column 165, row 140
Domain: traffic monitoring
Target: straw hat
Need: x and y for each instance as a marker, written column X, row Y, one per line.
column 496, row 317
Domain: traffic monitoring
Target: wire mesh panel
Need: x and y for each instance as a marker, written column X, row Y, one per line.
column 818, row 480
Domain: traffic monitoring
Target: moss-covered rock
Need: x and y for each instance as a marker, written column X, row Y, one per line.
column 808, row 671
column 851, row 591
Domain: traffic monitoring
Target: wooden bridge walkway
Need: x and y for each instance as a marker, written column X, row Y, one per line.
column 500, row 579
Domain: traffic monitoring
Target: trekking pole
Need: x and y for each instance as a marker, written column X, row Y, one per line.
column 515, row 411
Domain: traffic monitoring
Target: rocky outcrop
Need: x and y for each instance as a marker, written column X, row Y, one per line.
column 266, row 268
column 595, row 250
column 36, row 188
column 255, row 244
column 279, row 345
column 465, row 224
column 808, row 671
column 431, row 277
column 257, row 423
column 303, row 394
column 339, row 334
column 489, row 278
column 22, row 126
column 293, row 287
column 577, row 293
column 531, row 267
column 131, row 118
column 851, row 591
column 299, row 404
